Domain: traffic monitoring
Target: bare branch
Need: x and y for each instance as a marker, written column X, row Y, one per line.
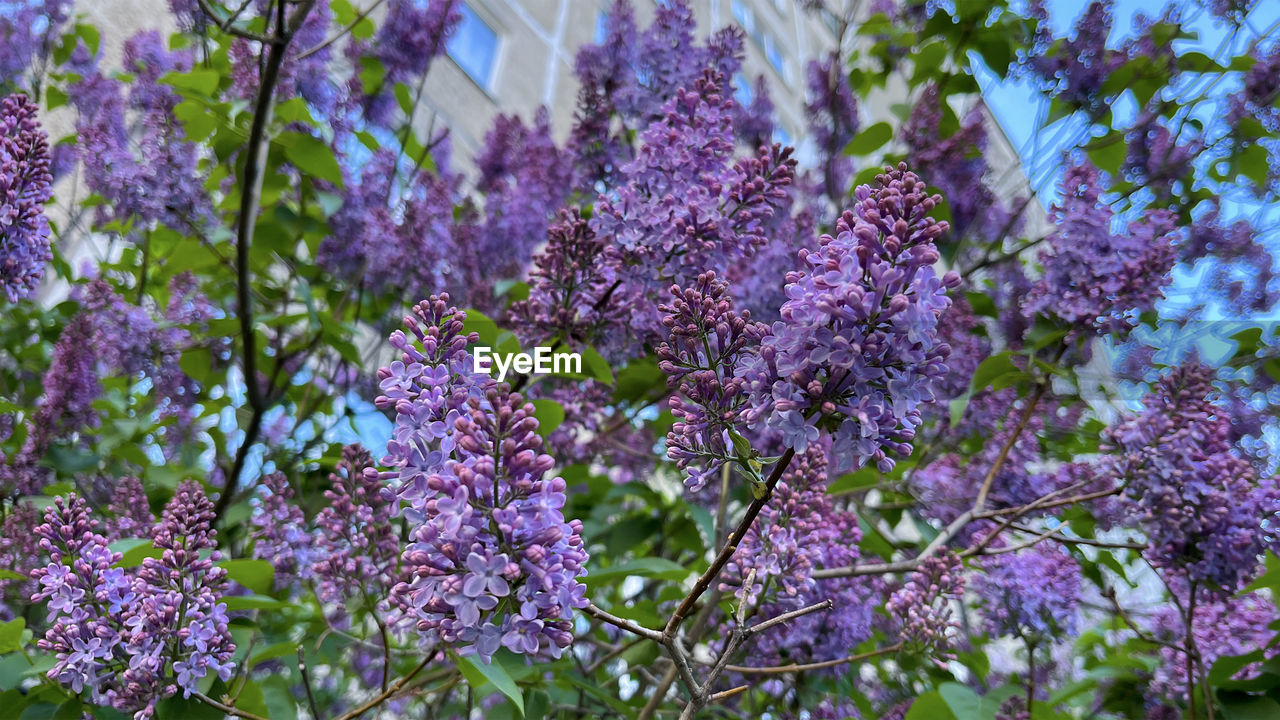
column 623, row 623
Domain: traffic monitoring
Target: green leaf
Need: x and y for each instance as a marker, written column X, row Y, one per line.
column 869, row 140
column 254, row 602
column 994, row 367
column 256, row 575
column 134, row 551
column 251, row 699
column 639, row 379
column 11, row 635
column 1254, row 163
column 863, row 478
column 279, row 699
column 1109, row 154
column 477, row 673
column 549, row 414
column 1248, row 341
column 929, row 706
column 1241, row 706
column 311, row 156
column 200, row 80
column 956, row 408
column 480, row 324
column 596, row 366
column 176, row 707
column 653, row 567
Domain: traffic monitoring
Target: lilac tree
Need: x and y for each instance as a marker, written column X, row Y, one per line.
column 857, row 431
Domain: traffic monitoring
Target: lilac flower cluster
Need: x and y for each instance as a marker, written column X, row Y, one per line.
column 494, row 562
column 957, row 166
column 801, row 530
column 525, row 178
column 24, row 189
column 115, row 334
column 1222, row 628
column 1156, row 159
column 428, row 388
column 413, row 35
column 856, row 352
column 631, row 75
column 279, row 531
column 1076, row 70
column 19, row 553
column 1015, row 708
column 754, row 121
column 572, row 290
column 1261, row 89
column 307, row 77
column 1030, row 594
column 407, row 233
column 832, row 115
column 922, row 607
column 1243, row 271
column 130, row 510
column 594, row 430
column 28, row 29
column 357, row 544
column 948, row 485
column 703, row 359
column 128, row 163
column 1093, row 277
column 1204, row 507
column 133, row 638
column 686, row 203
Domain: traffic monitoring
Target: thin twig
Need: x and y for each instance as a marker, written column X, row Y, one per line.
column 386, row 694
column 228, row 709
column 625, row 624
column 306, row 684
column 731, row 546
column 806, row 667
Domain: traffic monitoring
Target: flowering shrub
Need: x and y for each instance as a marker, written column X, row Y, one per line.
column 858, row 430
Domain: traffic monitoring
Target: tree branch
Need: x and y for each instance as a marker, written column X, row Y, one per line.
column 250, row 199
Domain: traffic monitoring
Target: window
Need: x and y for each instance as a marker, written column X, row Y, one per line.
column 474, row 46
column 775, row 57
column 742, row 91
column 745, row 17
column 602, row 27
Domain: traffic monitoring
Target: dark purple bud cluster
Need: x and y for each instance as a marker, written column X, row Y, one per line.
column 24, row 189
column 703, row 360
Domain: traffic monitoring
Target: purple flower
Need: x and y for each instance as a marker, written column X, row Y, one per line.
column 486, row 525
column 1030, row 594
column 856, row 352
column 24, row 189
column 1092, row 276
column 703, row 360
column 112, row 629
column 922, row 607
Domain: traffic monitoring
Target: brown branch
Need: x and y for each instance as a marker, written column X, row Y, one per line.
column 228, row 709
column 625, row 624
column 708, row 577
column 352, row 26
column 250, row 199
column 386, row 694
column 806, row 667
